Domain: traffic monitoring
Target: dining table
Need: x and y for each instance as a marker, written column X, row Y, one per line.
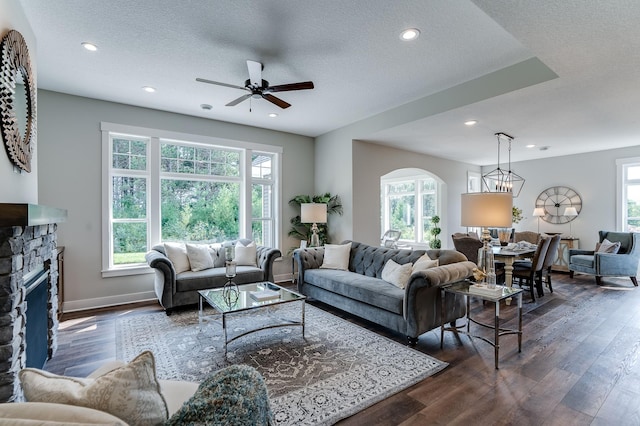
column 509, row 256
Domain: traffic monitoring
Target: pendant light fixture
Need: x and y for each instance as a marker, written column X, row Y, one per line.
column 500, row 180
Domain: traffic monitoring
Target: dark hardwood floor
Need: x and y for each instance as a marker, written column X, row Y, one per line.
column 579, row 363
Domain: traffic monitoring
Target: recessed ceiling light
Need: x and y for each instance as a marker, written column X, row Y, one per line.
column 89, row 46
column 273, row 115
column 530, row 145
column 206, row 107
column 471, row 123
column 409, row 34
column 149, row 89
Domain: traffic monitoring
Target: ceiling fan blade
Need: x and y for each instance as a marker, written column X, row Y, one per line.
column 277, row 101
column 217, row 83
column 293, row 86
column 255, row 73
column 240, row 99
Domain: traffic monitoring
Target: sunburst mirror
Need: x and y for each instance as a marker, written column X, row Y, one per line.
column 17, row 100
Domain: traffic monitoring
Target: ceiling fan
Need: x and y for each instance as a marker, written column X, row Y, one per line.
column 259, row 88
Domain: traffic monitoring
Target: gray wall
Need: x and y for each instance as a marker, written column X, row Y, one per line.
column 70, row 178
column 18, row 187
column 592, row 175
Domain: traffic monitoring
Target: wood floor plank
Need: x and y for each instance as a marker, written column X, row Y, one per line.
column 579, row 365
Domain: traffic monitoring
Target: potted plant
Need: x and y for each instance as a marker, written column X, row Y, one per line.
column 435, row 242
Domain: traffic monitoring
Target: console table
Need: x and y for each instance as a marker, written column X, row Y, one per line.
column 562, row 262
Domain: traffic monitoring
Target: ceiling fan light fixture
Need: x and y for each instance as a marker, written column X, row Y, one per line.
column 409, row 34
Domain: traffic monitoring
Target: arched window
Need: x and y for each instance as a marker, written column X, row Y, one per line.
column 409, row 199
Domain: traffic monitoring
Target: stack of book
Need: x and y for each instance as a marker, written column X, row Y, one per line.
column 484, row 290
column 263, row 295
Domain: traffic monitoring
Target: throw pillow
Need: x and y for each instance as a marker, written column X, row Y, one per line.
column 425, row 262
column 607, row 246
column 199, row 257
column 245, row 255
column 234, row 395
column 336, row 256
column 177, row 254
column 396, row 274
column 131, row 392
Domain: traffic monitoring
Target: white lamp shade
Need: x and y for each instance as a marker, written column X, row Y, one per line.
column 538, row 212
column 570, row 211
column 313, row 213
column 487, row 209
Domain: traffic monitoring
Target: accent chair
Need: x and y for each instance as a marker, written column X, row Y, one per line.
column 624, row 263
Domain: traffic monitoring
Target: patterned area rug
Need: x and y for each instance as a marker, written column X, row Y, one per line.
column 336, row 370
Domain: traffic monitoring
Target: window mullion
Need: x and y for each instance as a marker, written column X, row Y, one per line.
column 153, row 193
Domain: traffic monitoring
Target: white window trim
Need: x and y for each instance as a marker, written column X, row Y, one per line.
column 153, row 201
column 621, row 190
column 420, row 242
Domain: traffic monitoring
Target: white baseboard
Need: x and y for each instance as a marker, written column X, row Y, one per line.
column 103, row 302
column 283, row 277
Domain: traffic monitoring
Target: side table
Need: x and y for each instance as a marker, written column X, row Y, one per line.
column 462, row 288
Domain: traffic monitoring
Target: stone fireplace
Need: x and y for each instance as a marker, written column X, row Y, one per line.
column 28, row 252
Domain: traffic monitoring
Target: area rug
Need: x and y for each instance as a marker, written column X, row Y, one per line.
column 335, row 371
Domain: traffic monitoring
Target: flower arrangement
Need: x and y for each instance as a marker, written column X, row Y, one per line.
column 516, row 214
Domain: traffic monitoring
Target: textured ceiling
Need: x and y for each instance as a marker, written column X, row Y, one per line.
column 352, row 52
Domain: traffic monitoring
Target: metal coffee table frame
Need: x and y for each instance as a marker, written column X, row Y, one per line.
column 244, row 302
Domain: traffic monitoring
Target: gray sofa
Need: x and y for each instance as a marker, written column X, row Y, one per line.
column 174, row 290
column 361, row 291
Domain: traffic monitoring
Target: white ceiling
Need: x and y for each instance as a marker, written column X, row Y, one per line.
column 351, row 50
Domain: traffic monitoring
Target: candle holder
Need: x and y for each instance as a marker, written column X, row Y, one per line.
column 230, row 290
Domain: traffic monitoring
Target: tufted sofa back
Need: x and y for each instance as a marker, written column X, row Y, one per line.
column 370, row 260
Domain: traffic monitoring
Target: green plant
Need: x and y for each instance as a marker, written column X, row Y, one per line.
column 516, row 214
column 435, row 242
column 302, row 231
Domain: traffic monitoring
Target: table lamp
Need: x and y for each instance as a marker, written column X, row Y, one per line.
column 487, row 209
column 570, row 212
column 538, row 212
column 313, row 213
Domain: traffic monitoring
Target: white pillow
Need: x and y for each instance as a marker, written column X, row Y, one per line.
column 607, row 246
column 336, row 256
column 131, row 392
column 245, row 255
column 397, row 275
column 199, row 257
column 177, row 254
column 425, row 262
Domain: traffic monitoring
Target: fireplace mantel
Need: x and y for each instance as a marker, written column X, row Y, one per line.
column 30, row 214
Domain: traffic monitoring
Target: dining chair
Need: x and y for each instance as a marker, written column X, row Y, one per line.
column 550, row 258
column 532, row 275
column 528, row 236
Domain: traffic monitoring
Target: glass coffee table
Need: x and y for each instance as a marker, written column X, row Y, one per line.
column 248, row 298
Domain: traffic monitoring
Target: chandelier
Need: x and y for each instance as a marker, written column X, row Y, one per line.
column 500, row 180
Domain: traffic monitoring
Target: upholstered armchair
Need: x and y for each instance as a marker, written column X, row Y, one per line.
column 624, row 263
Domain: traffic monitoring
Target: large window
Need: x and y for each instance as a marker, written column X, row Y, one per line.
column 408, row 204
column 629, row 195
column 159, row 189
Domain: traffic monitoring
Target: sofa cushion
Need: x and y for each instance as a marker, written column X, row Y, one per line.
column 584, row 260
column 397, row 275
column 336, row 256
column 607, row 246
column 373, row 291
column 245, row 254
column 215, row 277
column 177, row 254
column 199, row 257
column 425, row 262
column 131, row 392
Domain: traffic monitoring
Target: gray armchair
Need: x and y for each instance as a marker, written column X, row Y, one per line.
column 621, row 264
